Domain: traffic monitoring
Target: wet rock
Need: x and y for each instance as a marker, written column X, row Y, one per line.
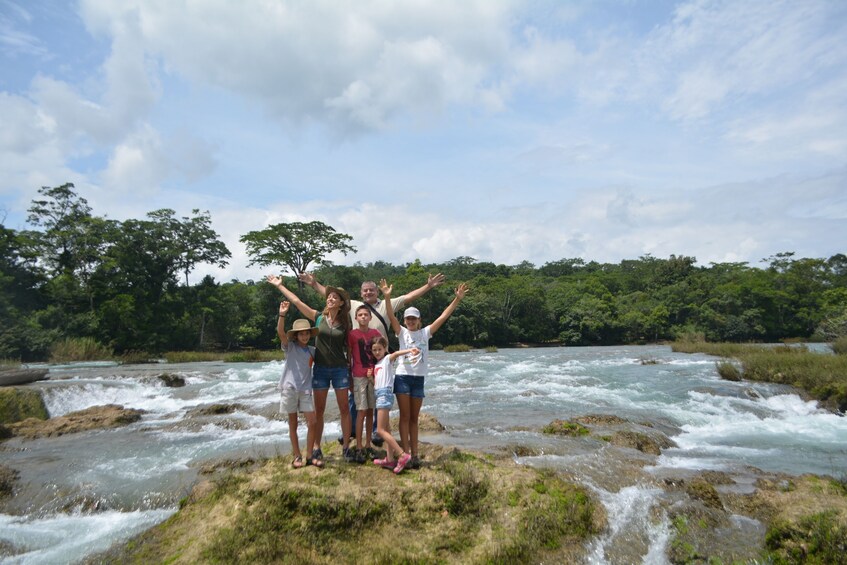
column 171, row 380
column 20, row 403
column 652, row 444
column 8, row 478
column 522, row 450
column 214, row 410
column 565, row 428
column 94, row 418
column 211, row 467
column 427, row 423
column 703, row 491
column 600, row 420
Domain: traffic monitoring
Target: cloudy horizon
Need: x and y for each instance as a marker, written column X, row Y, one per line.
column 503, row 131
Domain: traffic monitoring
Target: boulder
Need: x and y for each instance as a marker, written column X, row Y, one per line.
column 94, row 418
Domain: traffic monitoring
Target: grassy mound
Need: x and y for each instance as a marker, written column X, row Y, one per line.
column 20, row 403
column 458, row 508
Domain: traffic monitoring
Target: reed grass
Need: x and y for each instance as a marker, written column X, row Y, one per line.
column 246, row 356
column 10, row 363
column 457, row 348
column 491, row 349
column 839, row 346
column 821, row 375
column 79, row 349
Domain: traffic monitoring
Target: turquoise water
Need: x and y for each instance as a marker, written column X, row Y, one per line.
column 79, row 494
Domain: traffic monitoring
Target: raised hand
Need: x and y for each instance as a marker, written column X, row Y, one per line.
column 433, row 281
column 283, row 307
column 461, row 290
column 385, row 288
column 274, row 280
column 306, row 278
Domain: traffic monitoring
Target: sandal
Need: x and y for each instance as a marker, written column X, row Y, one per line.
column 298, row 462
column 318, row 458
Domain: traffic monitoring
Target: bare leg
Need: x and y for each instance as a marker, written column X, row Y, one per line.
column 320, row 408
column 311, row 424
column 292, row 434
column 360, row 420
column 405, row 409
column 369, row 425
column 383, row 428
column 414, row 412
column 344, row 410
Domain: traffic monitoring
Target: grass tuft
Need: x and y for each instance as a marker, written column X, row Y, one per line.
column 457, row 348
column 79, row 349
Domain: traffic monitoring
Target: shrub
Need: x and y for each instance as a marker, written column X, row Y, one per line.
column 839, row 346
column 491, row 349
column 79, row 349
column 457, row 348
column 728, row 371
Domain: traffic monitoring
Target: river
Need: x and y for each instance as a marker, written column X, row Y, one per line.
column 79, row 494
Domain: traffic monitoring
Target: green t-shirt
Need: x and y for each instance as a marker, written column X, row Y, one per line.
column 330, row 345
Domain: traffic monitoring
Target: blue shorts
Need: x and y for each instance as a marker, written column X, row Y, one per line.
column 384, row 398
column 322, row 376
column 409, row 384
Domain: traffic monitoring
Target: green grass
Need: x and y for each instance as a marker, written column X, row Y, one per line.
column 79, row 349
column 821, row 375
column 564, row 428
column 491, row 349
column 457, row 348
column 839, row 346
column 246, row 356
column 818, row 539
column 18, row 404
column 10, row 363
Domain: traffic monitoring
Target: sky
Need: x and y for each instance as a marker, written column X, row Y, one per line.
column 503, row 131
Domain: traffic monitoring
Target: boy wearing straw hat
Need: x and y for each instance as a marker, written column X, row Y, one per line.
column 295, row 384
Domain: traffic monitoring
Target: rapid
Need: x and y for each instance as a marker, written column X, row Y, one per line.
column 79, row 494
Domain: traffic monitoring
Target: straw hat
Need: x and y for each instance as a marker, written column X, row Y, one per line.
column 299, row 326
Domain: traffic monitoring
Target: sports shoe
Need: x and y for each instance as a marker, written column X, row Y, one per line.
column 415, row 463
column 401, row 463
column 370, row 453
column 349, row 454
column 376, row 439
column 360, row 456
column 385, row 463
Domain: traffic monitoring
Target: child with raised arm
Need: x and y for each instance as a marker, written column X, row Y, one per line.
column 411, row 370
column 295, row 384
column 384, row 387
column 361, row 367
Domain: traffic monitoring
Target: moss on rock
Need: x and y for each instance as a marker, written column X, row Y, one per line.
column 20, row 403
column 461, row 508
column 565, row 428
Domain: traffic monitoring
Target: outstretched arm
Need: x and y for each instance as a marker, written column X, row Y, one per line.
column 461, row 290
column 280, row 324
column 386, row 295
column 309, row 280
column 432, row 281
column 304, row 308
column 414, row 351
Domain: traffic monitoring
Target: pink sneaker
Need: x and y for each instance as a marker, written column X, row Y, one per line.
column 385, row 463
column 401, row 463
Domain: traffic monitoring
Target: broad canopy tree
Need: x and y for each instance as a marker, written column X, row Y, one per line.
column 295, row 245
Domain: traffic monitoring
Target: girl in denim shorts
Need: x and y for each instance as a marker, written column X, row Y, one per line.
column 331, row 365
column 384, row 391
column 411, row 370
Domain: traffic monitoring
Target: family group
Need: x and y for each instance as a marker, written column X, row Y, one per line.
column 352, row 351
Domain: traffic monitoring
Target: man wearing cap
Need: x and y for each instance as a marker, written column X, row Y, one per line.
column 379, row 314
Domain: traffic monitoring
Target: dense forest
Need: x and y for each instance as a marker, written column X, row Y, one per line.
column 126, row 284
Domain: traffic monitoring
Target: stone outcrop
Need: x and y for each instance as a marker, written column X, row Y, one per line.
column 94, row 418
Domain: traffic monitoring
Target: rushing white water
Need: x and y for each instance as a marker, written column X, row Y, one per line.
column 78, row 494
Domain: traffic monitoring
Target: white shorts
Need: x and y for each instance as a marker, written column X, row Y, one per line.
column 294, row 401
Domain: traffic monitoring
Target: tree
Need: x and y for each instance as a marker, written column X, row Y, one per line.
column 296, row 245
column 199, row 243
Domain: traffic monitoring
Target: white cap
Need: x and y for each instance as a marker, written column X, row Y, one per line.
column 412, row 312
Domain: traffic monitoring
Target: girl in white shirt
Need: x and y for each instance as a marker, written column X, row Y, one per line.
column 411, row 370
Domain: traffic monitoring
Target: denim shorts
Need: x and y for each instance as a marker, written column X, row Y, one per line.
column 409, row 384
column 322, row 376
column 384, row 398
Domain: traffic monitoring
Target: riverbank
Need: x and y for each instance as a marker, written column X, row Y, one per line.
column 822, row 376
